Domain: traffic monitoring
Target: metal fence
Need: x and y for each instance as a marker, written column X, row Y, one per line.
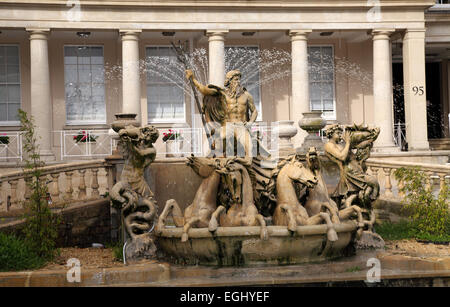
column 184, row 142
column 400, row 135
column 84, row 143
column 10, row 146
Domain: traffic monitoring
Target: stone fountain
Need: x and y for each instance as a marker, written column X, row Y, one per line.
column 250, row 208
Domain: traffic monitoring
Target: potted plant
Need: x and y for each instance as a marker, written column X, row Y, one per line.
column 174, row 143
column 84, row 137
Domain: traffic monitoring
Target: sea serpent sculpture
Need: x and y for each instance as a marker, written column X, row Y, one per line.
column 132, row 195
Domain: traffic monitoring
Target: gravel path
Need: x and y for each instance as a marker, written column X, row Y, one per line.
column 414, row 248
column 89, row 258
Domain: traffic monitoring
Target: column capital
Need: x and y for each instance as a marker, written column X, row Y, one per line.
column 130, row 34
column 414, row 33
column 299, row 34
column 38, row 33
column 216, row 34
column 382, row 33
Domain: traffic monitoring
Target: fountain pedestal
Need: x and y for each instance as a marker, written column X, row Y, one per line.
column 312, row 122
column 285, row 130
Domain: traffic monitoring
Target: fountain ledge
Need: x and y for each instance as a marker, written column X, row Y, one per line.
column 237, row 246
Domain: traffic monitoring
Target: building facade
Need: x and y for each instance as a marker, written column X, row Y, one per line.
column 72, row 65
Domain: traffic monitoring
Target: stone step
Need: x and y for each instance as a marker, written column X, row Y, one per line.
column 439, row 144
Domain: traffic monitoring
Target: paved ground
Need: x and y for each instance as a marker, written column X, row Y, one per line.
column 404, row 262
column 103, row 258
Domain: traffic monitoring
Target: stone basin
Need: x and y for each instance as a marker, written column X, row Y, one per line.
column 239, row 246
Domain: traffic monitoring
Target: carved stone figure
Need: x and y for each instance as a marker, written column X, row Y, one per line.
column 230, row 113
column 354, row 184
column 289, row 211
column 131, row 194
column 237, row 191
column 198, row 214
column 318, row 198
column 242, row 211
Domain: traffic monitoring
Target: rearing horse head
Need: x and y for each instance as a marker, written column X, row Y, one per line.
column 298, row 173
column 204, row 167
column 312, row 159
column 231, row 174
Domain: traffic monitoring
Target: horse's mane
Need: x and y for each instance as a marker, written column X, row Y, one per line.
column 265, row 190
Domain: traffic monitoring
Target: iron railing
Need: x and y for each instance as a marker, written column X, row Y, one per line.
column 10, row 146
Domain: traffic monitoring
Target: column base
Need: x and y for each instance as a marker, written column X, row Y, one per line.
column 423, row 146
column 386, row 149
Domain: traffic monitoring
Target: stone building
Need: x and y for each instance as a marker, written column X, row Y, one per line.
column 376, row 62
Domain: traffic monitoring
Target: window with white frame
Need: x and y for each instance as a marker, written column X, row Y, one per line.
column 246, row 60
column 321, row 80
column 9, row 84
column 84, row 80
column 165, row 86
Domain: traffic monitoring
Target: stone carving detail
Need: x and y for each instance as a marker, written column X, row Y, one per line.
column 241, row 210
column 198, row 214
column 229, row 114
column 289, row 211
column 132, row 195
column 240, row 190
column 355, row 185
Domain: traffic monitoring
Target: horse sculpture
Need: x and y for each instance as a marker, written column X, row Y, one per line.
column 289, row 212
column 242, row 211
column 318, row 197
column 198, row 214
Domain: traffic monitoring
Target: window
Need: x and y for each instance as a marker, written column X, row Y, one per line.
column 84, row 85
column 9, row 84
column 246, row 60
column 321, row 80
column 165, row 86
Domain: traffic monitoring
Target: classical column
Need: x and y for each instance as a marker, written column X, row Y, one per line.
column 382, row 91
column 216, row 40
column 300, row 81
column 414, row 89
column 41, row 101
column 131, row 85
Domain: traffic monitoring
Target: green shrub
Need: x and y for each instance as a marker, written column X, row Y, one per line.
column 429, row 214
column 117, row 250
column 395, row 231
column 17, row 255
column 408, row 230
column 41, row 225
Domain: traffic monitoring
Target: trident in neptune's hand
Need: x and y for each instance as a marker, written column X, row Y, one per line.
column 183, row 59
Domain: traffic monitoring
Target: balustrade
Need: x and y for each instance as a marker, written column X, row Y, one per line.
column 96, row 176
column 391, row 187
column 63, row 189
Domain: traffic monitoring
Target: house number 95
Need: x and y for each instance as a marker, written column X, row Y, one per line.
column 418, row 90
